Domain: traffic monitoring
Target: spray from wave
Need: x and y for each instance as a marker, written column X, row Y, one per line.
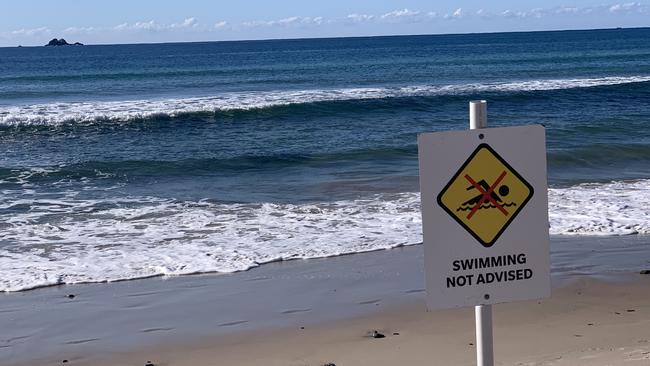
column 124, row 111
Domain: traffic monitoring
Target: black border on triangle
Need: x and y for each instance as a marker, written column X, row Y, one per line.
column 455, row 176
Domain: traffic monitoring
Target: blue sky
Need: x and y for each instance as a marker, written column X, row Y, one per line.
column 34, row 22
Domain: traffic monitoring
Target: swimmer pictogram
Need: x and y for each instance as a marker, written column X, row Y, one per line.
column 485, row 195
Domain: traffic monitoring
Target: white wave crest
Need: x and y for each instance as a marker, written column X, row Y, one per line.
column 88, row 112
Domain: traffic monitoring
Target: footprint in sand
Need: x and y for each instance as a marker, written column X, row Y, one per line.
column 82, row 341
column 416, row 291
column 642, row 354
column 294, row 311
column 369, row 302
column 230, row 324
column 151, row 330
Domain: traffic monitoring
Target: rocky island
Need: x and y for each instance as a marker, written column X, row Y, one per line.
column 62, row 42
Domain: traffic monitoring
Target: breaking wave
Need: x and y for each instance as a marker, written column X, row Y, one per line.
column 123, row 111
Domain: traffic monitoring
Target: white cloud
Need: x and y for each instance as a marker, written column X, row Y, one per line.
column 146, row 26
column 625, row 7
column 458, row 13
column 533, row 13
column 80, row 30
column 187, row 23
column 285, row 21
column 404, row 13
column 254, row 24
column 153, row 26
column 290, row 21
column 150, row 25
column 31, row 32
column 566, row 10
column 395, row 16
column 220, row 25
column 360, row 18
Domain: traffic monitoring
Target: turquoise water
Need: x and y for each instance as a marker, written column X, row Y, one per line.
column 129, row 161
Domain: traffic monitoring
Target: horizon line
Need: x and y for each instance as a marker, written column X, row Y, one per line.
column 344, row 37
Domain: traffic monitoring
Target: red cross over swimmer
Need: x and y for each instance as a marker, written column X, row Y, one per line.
column 487, row 194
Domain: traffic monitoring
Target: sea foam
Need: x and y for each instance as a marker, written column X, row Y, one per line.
column 124, row 111
column 67, row 240
column 615, row 208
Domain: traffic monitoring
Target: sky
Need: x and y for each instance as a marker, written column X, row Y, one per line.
column 35, row 22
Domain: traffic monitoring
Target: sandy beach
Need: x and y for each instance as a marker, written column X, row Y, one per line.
column 316, row 312
column 586, row 323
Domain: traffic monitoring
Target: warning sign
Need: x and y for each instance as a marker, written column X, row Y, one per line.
column 484, row 215
column 485, row 195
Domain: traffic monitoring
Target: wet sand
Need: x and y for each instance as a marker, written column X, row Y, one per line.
column 586, row 323
column 314, row 312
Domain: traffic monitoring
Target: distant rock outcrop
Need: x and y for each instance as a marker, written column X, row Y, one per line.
column 62, row 42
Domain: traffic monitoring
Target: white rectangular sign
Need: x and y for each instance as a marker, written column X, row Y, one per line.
column 484, row 215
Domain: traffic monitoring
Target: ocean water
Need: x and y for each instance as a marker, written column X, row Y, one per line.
column 130, row 161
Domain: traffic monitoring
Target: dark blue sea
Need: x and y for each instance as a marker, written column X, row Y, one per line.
column 130, row 161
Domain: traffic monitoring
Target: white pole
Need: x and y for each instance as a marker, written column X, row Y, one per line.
column 477, row 114
column 484, row 345
column 483, row 313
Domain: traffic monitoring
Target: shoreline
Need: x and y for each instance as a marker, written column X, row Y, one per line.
column 634, row 239
column 207, row 273
column 167, row 317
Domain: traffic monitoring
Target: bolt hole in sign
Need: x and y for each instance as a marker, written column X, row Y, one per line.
column 484, row 216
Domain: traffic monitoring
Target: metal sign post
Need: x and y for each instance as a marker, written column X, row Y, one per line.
column 484, row 219
column 483, row 313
